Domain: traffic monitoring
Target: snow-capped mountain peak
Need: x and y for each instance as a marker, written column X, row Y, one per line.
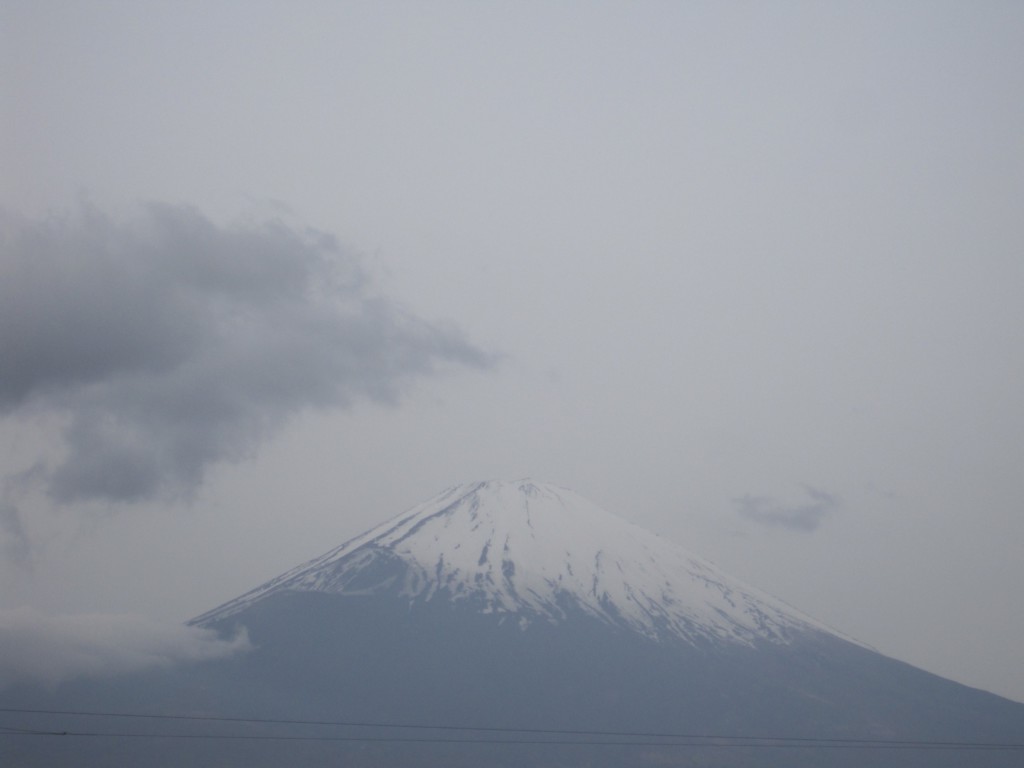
column 533, row 551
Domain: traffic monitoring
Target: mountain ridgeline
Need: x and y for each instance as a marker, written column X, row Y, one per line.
column 520, row 615
column 529, row 553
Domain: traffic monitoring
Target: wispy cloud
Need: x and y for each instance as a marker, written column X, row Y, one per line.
column 14, row 540
column 168, row 343
column 797, row 517
column 51, row 649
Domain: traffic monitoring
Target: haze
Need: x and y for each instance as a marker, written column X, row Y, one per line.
column 747, row 275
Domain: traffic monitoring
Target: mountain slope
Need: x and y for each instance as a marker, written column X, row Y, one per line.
column 508, row 606
column 530, row 551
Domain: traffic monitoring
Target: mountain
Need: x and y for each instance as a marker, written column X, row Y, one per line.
column 521, row 613
column 529, row 552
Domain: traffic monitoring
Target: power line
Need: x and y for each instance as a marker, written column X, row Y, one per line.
column 12, row 731
column 590, row 737
column 776, row 743
column 534, row 742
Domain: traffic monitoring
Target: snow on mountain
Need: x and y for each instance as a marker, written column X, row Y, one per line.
column 533, row 551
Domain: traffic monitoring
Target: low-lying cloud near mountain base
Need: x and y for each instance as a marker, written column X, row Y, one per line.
column 51, row 649
column 168, row 343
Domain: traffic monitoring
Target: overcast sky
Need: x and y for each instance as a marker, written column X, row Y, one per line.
column 750, row 275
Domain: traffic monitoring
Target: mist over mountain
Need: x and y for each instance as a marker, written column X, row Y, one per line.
column 521, row 615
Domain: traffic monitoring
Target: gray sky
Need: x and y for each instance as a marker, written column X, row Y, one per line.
column 748, row 275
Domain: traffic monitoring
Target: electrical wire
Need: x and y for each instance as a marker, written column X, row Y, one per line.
column 586, row 737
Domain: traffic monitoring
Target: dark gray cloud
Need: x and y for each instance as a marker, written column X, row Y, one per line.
column 51, row 649
column 168, row 343
column 797, row 517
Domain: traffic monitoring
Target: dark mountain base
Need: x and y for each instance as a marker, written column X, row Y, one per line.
column 360, row 660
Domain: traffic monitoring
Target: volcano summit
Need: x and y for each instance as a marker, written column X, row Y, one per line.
column 515, row 623
column 534, row 552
